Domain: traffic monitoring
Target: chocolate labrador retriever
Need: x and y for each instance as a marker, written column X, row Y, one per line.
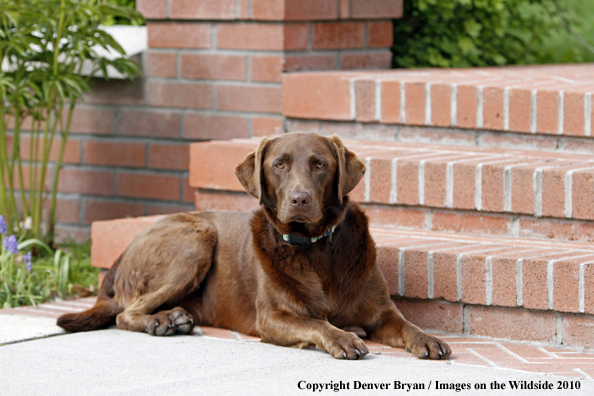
column 294, row 272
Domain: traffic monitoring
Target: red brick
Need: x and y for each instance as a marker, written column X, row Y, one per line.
column 317, row 88
column 266, row 126
column 535, row 283
column 244, row 8
column 441, row 105
column 573, row 113
column 296, row 36
column 547, row 112
column 577, row 331
column 387, row 260
column 222, row 201
column 111, row 238
column 204, row 127
column 86, row 182
column 416, row 279
column 474, row 278
column 67, row 210
column 558, row 230
column 376, row 60
column 464, row 185
column 380, row 182
column 161, row 64
column 365, row 100
column 471, row 223
column 367, row 9
column 213, row 67
column 415, row 103
column 433, row 315
column 164, row 209
column 217, row 175
column 380, row 34
column 522, row 188
column 310, row 10
column 467, row 103
column 512, row 324
column 188, row 191
column 27, row 181
column 553, row 192
column 395, row 217
column 116, row 92
column 503, row 269
column 136, row 185
column 582, row 195
column 152, row 9
column 203, row 9
column 338, row 35
column 493, row 187
column 267, row 68
column 566, row 285
column 177, row 94
column 268, row 10
column 252, row 36
column 148, row 123
column 309, row 62
column 519, row 110
column 71, row 153
column 115, row 153
column 92, row 121
column 407, row 175
column 390, row 102
column 249, row 98
column 435, row 183
column 169, row 156
column 102, row 210
column 345, row 9
column 493, row 112
column 589, row 288
column 179, row 35
column 445, row 276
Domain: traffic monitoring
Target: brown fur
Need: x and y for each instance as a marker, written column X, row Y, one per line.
column 234, row 270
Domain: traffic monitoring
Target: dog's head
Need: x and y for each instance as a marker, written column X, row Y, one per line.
column 299, row 174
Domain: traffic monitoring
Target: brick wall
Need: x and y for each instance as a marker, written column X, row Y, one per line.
column 213, row 71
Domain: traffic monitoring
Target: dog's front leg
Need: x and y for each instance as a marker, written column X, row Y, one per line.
column 394, row 330
column 286, row 329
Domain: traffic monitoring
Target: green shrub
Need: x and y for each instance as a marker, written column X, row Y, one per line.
column 118, row 20
column 462, row 33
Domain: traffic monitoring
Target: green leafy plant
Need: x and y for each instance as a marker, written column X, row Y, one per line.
column 118, row 20
column 28, row 280
column 45, row 44
column 462, row 33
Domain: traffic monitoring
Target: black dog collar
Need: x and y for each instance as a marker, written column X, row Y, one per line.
column 295, row 239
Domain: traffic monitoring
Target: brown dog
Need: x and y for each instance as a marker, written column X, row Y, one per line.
column 294, row 273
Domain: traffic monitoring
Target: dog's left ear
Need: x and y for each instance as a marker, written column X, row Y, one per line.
column 249, row 172
column 349, row 170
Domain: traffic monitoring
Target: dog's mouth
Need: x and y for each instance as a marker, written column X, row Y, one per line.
column 299, row 217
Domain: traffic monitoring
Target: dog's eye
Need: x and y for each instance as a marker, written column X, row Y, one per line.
column 280, row 165
column 320, row 165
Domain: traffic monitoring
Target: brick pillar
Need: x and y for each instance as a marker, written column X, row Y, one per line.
column 220, row 61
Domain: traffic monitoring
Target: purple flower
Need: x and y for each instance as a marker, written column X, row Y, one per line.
column 10, row 244
column 27, row 261
column 3, row 226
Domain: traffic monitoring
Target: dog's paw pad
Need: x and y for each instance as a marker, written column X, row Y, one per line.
column 184, row 323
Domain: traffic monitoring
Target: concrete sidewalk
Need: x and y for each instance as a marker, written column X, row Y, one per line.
column 114, row 362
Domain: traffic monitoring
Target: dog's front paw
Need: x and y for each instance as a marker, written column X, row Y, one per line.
column 345, row 345
column 425, row 346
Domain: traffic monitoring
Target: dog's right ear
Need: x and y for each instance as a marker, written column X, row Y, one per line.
column 249, row 172
column 350, row 169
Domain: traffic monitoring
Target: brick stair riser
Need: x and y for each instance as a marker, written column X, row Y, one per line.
column 545, row 100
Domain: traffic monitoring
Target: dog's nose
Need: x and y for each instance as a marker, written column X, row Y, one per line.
column 300, row 199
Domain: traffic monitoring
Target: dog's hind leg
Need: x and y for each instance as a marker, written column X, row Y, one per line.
column 161, row 268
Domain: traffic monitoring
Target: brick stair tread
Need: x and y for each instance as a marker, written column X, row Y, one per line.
column 476, row 351
column 491, row 180
column 498, row 271
column 510, row 99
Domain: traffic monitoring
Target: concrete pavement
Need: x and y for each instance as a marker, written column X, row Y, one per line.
column 114, row 362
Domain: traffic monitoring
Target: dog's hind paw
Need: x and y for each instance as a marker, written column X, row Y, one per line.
column 175, row 321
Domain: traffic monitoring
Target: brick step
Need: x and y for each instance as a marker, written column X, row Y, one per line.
column 437, row 187
column 513, row 279
column 548, row 100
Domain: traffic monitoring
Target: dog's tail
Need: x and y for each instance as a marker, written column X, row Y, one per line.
column 102, row 315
